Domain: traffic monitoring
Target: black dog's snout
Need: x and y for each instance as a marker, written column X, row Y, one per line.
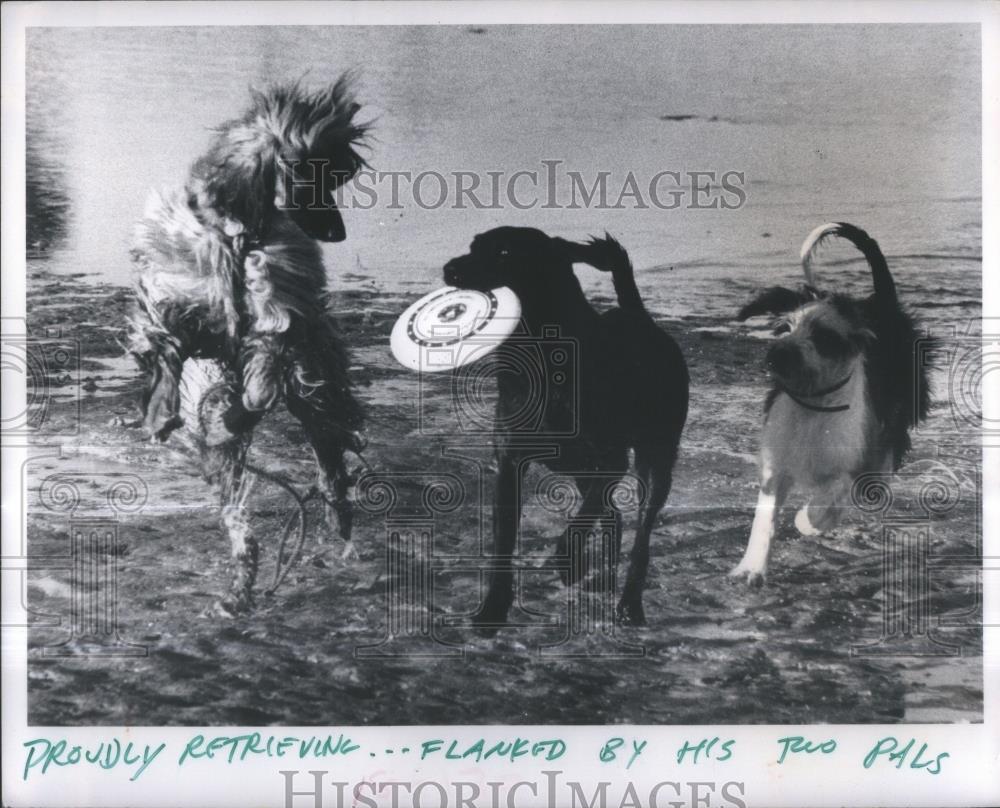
column 453, row 272
column 784, row 358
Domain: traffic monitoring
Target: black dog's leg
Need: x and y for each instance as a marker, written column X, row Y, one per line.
column 659, row 479
column 616, row 524
column 506, row 520
column 595, row 514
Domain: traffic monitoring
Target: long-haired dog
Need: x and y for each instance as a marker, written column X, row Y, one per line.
column 847, row 389
column 228, row 268
column 632, row 393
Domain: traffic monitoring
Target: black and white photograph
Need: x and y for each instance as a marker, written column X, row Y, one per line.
column 497, row 371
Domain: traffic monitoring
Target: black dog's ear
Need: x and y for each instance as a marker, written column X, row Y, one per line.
column 776, row 300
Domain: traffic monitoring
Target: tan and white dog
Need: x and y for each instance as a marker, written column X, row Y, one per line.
column 847, row 390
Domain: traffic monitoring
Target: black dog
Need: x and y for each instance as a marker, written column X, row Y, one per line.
column 632, row 393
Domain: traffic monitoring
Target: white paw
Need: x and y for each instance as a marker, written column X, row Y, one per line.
column 802, row 523
column 752, row 576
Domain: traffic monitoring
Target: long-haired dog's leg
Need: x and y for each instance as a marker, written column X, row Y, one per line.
column 236, row 485
column 322, row 401
column 327, row 443
column 261, row 361
column 160, row 357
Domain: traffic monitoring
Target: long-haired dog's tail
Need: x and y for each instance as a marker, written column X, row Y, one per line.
column 885, row 287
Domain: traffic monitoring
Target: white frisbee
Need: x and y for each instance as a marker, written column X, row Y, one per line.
column 452, row 327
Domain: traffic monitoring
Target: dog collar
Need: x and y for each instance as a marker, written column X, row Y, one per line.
column 818, row 394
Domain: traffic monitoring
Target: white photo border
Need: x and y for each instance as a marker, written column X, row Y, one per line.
column 972, row 776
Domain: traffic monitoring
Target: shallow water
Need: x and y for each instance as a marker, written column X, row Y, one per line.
column 875, row 125
column 713, row 652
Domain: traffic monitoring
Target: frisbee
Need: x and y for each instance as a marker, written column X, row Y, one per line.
column 452, row 327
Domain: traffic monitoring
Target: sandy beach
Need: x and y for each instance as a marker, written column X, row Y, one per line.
column 713, row 651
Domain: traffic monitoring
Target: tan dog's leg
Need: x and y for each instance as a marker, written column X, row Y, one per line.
column 774, row 489
column 824, row 511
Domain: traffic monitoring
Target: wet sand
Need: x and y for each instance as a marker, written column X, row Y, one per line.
column 713, row 651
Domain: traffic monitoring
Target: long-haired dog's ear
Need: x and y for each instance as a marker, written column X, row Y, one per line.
column 236, row 178
column 776, row 300
column 306, row 141
column 322, row 127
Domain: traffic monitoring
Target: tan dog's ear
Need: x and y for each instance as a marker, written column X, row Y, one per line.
column 776, row 300
column 864, row 337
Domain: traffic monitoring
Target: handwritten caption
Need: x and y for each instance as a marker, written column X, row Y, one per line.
column 44, row 755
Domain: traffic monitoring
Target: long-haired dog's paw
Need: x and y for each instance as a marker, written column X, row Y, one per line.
column 121, row 422
column 357, row 442
column 229, row 607
column 162, row 430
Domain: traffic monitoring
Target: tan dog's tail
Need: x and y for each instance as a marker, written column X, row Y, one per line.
column 885, row 287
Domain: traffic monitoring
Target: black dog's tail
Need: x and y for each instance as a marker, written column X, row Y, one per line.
column 608, row 255
column 885, row 287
